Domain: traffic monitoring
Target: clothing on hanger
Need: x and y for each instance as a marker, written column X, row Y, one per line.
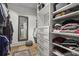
column 3, row 45
column 1, row 15
column 8, row 31
column 5, row 10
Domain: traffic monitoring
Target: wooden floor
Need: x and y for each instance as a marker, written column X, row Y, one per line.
column 32, row 48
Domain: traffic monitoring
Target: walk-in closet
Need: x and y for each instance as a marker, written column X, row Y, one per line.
column 39, row 29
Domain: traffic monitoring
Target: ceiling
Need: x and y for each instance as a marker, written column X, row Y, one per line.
column 23, row 7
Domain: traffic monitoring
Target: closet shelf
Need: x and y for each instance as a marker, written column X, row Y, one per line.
column 66, row 34
column 41, row 39
column 43, row 47
column 43, row 27
column 57, row 53
column 73, row 14
column 69, row 6
column 44, row 10
column 42, row 33
column 66, row 48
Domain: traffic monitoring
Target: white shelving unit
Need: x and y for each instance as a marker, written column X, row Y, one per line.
column 43, row 30
column 66, row 48
column 43, row 27
column 43, row 11
column 57, row 53
column 66, row 8
column 60, row 18
column 73, row 14
column 66, row 34
column 45, row 34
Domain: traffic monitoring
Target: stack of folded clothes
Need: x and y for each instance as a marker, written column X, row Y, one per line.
column 67, row 42
column 68, row 26
column 70, row 42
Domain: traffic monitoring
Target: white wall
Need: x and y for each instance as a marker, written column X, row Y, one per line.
column 31, row 25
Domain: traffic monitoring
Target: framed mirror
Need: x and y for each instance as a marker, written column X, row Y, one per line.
column 22, row 28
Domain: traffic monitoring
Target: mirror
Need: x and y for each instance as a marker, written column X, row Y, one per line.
column 23, row 28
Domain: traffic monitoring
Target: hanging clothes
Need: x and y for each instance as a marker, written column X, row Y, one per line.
column 5, row 10
column 4, row 14
column 8, row 31
column 11, row 31
column 4, row 41
column 3, row 45
column 1, row 15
